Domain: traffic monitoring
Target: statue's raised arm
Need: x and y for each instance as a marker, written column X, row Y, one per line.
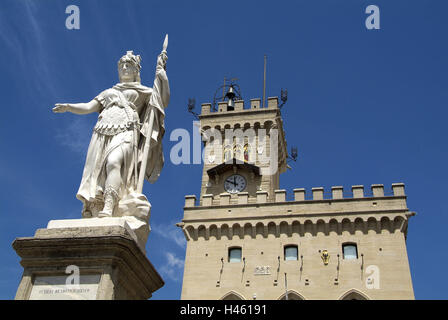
column 155, row 114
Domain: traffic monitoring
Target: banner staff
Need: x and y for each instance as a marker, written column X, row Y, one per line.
column 141, row 176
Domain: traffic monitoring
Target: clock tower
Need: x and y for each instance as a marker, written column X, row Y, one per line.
column 246, row 240
column 245, row 151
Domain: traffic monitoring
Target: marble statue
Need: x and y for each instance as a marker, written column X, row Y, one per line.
column 126, row 144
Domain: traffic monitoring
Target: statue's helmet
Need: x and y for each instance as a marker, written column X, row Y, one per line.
column 135, row 60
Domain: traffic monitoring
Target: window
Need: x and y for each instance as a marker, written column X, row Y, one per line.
column 227, row 153
column 235, row 254
column 291, row 253
column 350, row 251
column 246, row 152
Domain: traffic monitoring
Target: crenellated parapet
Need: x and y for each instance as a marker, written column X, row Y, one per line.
column 241, row 117
column 300, row 194
column 336, row 212
column 255, row 105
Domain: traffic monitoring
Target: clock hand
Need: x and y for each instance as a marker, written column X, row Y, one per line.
column 229, row 181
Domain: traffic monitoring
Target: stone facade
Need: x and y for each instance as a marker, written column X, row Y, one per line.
column 261, row 221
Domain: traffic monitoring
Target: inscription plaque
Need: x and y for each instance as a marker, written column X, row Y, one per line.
column 55, row 288
column 259, row 270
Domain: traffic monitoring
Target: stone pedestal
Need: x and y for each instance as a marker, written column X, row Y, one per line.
column 109, row 262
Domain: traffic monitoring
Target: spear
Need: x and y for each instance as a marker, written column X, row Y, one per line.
column 165, row 43
column 141, row 176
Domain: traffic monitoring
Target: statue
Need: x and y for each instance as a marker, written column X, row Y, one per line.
column 126, row 144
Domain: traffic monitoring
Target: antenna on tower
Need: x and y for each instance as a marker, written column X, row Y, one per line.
column 264, row 83
column 283, row 93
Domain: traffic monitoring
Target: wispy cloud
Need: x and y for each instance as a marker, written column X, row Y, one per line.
column 170, row 232
column 41, row 67
column 32, row 55
column 76, row 136
column 173, row 267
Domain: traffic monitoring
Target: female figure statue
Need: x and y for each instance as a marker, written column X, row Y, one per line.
column 115, row 155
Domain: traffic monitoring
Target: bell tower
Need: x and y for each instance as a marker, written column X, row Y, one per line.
column 245, row 150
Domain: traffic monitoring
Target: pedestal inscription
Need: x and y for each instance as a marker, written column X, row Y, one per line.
column 56, row 288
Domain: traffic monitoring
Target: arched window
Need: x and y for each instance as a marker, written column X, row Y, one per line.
column 247, row 151
column 291, row 252
column 354, row 294
column 232, row 296
column 349, row 251
column 292, row 295
column 235, row 254
column 238, row 152
column 227, row 153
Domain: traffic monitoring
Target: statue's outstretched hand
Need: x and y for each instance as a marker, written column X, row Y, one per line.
column 61, row 107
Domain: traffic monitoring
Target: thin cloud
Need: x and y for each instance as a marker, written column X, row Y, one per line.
column 170, row 232
column 76, row 136
column 40, row 51
column 173, row 267
column 32, row 55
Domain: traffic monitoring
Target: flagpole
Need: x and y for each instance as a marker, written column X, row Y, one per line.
column 141, row 176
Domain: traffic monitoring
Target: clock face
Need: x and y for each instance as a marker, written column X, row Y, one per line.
column 235, row 183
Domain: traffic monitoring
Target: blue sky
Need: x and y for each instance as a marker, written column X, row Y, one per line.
column 364, row 106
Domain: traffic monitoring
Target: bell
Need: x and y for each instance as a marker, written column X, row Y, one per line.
column 230, row 95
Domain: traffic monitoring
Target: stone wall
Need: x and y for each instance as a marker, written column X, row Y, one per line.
column 375, row 222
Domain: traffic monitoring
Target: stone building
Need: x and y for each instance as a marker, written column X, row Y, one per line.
column 247, row 240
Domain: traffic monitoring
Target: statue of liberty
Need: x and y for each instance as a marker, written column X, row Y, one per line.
column 126, row 143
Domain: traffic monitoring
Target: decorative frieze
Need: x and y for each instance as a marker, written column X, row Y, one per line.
column 315, row 226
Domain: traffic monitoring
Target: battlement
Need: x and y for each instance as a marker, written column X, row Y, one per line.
column 358, row 210
column 317, row 194
column 239, row 106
